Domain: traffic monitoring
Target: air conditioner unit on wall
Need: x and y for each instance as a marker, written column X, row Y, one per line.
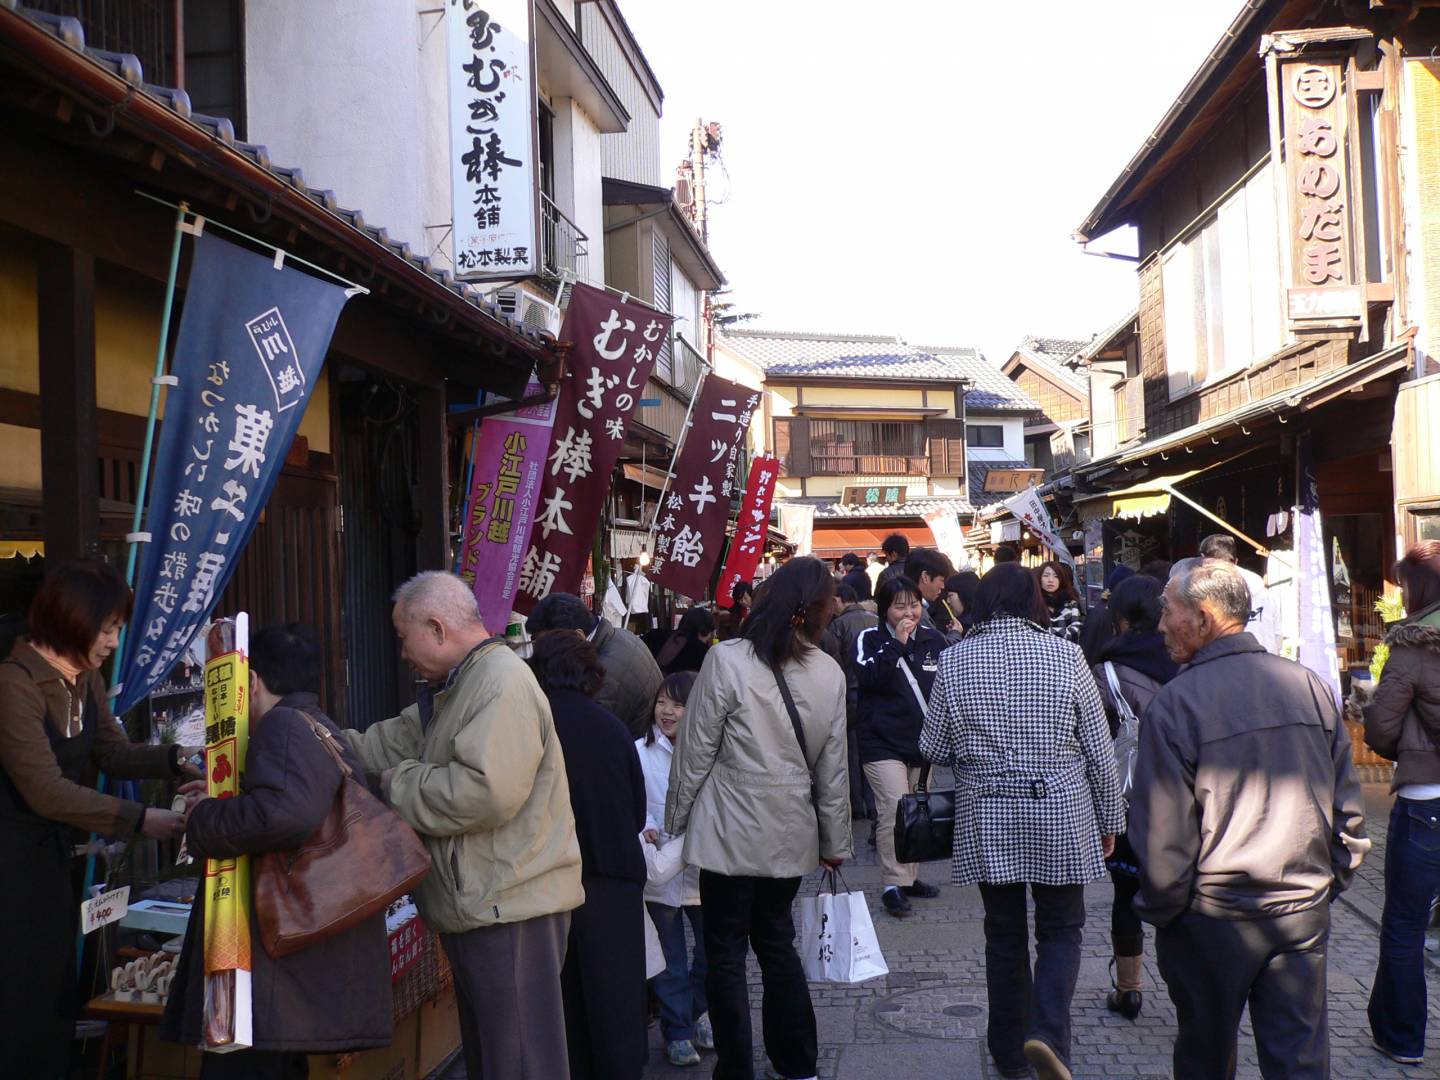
column 527, row 308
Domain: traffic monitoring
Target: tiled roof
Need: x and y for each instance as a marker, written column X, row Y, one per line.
column 1051, row 354
column 981, row 469
column 827, row 509
column 1054, row 348
column 126, row 66
column 869, row 356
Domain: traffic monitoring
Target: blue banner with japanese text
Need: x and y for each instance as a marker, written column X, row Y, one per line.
column 251, row 344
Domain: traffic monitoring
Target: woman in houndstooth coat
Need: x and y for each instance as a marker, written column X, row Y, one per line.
column 1016, row 713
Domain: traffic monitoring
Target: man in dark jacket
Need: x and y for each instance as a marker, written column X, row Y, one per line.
column 333, row 996
column 852, row 567
column 929, row 568
column 1247, row 820
column 632, row 677
column 839, row 641
column 896, row 550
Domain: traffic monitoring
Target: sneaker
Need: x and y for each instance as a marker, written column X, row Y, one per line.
column 1045, row 1061
column 895, row 903
column 1399, row 1059
column 704, row 1033
column 681, row 1052
column 920, row 890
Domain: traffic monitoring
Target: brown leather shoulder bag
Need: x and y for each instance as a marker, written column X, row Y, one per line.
column 361, row 858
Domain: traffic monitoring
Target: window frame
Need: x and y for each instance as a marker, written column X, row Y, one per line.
column 973, row 445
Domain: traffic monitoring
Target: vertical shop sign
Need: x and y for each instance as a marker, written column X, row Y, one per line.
column 251, row 344
column 494, row 167
column 612, row 352
column 1323, row 289
column 750, row 529
column 690, row 526
column 510, row 455
column 1317, row 615
column 1029, row 508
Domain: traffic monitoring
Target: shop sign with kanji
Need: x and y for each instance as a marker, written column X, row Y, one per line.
column 612, row 352
column 250, row 346
column 690, row 525
column 751, row 529
column 494, row 185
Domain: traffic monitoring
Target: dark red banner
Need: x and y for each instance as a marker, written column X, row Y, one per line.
column 690, row 527
column 748, row 547
column 613, row 347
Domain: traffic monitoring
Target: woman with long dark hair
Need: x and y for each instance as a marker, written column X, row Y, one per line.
column 603, row 980
column 1402, row 722
column 1130, row 670
column 1062, row 599
column 895, row 666
column 685, row 649
column 760, row 789
column 1016, row 714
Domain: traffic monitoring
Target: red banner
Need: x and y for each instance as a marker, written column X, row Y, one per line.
column 690, row 527
column 749, row 544
column 612, row 353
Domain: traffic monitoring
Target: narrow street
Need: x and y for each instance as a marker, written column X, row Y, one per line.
column 927, row 1017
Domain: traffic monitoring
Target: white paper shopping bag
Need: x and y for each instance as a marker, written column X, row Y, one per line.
column 837, row 936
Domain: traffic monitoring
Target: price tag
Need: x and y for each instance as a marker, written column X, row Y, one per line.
column 106, row 908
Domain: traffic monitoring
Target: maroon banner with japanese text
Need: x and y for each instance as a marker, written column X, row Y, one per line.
column 748, row 547
column 612, row 352
column 690, row 527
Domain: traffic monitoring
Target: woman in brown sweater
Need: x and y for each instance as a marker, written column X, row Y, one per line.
column 56, row 732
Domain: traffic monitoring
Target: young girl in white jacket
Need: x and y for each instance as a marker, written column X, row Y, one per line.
column 672, row 893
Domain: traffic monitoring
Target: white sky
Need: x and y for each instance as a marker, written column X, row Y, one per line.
column 917, row 167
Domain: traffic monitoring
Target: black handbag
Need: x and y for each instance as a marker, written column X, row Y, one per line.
column 924, row 823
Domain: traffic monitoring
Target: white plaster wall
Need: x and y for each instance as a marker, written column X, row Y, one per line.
column 1014, row 448
column 585, row 176
column 333, row 86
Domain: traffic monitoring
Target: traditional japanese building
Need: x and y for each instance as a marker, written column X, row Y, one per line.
column 1043, row 367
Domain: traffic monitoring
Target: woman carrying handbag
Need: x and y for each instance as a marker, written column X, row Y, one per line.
column 760, row 789
column 333, row 995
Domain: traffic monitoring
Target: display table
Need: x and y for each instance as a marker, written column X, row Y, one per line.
column 118, row 1017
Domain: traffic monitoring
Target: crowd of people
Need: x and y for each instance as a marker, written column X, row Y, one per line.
column 615, row 824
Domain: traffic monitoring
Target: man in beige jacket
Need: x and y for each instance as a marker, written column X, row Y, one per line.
column 476, row 769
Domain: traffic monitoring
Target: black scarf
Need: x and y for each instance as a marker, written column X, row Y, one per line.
column 1144, row 653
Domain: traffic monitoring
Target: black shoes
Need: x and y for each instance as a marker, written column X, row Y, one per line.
column 895, row 903
column 1125, row 1002
column 920, row 890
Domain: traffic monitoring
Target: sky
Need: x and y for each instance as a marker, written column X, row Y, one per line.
column 917, row 168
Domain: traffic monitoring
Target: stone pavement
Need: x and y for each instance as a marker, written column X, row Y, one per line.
column 927, row 1017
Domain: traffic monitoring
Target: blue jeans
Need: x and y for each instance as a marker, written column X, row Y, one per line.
column 681, row 986
column 1412, row 881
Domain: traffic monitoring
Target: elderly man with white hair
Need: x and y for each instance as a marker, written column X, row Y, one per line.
column 1247, row 821
column 476, row 769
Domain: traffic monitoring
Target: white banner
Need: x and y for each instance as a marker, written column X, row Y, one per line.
column 494, row 182
column 949, row 536
column 797, row 522
column 1030, row 509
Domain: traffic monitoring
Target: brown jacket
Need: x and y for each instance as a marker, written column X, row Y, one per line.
column 1402, row 721
column 32, row 696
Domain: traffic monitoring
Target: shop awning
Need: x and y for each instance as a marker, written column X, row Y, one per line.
column 644, row 474
column 1138, row 501
column 832, row 541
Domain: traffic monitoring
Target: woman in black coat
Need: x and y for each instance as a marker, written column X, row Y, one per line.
column 603, row 980
column 335, row 995
column 685, row 649
column 895, row 667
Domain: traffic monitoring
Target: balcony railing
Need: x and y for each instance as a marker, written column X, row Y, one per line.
column 685, row 366
column 828, row 461
column 564, row 249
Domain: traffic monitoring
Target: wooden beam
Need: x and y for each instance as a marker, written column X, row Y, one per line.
column 66, row 298
column 432, row 542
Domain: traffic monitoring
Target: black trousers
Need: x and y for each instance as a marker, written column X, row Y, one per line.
column 603, row 982
column 1212, row 967
column 741, row 911
column 1021, row 1006
column 38, row 1000
column 254, row 1065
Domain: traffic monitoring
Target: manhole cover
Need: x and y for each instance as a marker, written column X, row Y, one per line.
column 936, row 1012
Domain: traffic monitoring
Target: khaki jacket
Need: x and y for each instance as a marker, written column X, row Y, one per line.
column 739, row 787
column 484, row 784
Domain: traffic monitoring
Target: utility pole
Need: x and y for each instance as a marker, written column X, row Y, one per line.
column 698, row 146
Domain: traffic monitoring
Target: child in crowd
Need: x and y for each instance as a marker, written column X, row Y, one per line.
column 672, row 893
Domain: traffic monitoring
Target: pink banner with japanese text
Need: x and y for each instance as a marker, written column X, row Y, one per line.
column 612, row 352
column 748, row 547
column 509, row 460
column 690, row 527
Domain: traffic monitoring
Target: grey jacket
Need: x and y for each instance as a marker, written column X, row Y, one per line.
column 739, row 788
column 839, row 641
column 1402, row 721
column 1245, row 804
column 632, row 678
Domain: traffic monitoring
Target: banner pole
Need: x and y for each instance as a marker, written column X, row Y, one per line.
column 675, row 456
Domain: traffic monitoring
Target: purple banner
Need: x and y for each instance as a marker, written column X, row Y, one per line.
column 509, row 469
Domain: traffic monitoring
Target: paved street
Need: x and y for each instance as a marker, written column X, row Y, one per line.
column 927, row 1018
